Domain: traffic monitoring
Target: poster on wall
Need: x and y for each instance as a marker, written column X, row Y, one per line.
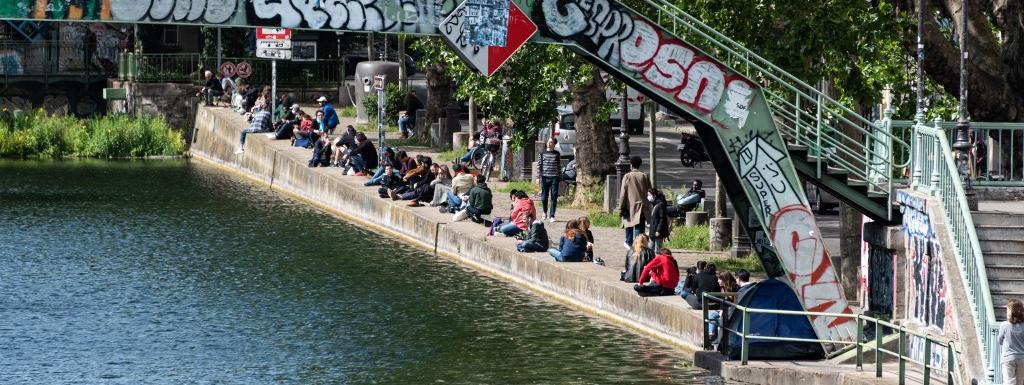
column 303, row 50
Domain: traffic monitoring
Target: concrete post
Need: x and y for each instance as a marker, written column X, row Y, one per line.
column 622, row 164
column 740, row 241
column 720, row 233
column 473, row 123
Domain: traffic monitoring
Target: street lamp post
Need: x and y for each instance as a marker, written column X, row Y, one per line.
column 962, row 143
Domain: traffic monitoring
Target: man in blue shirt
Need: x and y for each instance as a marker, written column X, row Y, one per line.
column 330, row 116
column 261, row 122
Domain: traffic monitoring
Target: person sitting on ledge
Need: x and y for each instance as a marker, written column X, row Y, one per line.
column 260, row 122
column 421, row 186
column 522, row 214
column 390, row 159
column 304, row 136
column 664, row 274
column 480, row 202
column 440, row 187
column 363, row 157
column 637, row 259
column 461, row 184
column 537, row 239
column 572, row 247
column 389, row 180
column 321, row 151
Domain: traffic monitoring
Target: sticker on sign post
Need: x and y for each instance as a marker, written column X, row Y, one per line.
column 279, row 54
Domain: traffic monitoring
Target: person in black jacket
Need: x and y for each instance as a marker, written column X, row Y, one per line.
column 659, row 228
column 389, row 180
column 321, row 152
column 390, row 159
column 705, row 281
column 364, row 156
column 537, row 240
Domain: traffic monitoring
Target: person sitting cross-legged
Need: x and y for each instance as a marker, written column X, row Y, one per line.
column 479, row 203
column 389, row 180
column 664, row 274
column 461, row 184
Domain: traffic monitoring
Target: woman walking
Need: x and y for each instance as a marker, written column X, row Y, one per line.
column 1011, row 339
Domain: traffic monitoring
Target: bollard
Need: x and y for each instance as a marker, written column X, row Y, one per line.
column 696, row 218
column 460, row 140
column 720, row 232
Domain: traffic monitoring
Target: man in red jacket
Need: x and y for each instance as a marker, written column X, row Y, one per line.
column 664, row 274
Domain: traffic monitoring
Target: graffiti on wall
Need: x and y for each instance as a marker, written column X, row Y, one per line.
column 876, row 276
column 664, row 63
column 360, row 15
column 11, row 63
column 363, row 15
column 89, row 46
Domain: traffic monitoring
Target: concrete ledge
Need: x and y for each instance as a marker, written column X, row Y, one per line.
column 585, row 286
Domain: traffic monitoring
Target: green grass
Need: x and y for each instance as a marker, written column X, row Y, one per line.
column 347, row 112
column 416, row 141
column 603, row 219
column 451, row 155
column 689, row 238
column 749, row 263
column 368, row 128
column 36, row 134
column 524, row 185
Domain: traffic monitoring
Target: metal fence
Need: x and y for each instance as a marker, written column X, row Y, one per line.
column 180, row 68
column 934, row 172
column 1002, row 157
column 928, row 362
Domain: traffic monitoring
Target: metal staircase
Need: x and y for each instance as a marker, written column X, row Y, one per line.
column 831, row 145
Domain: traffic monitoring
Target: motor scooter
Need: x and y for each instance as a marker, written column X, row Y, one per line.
column 691, row 150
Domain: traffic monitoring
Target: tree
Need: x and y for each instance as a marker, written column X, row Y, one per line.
column 595, row 140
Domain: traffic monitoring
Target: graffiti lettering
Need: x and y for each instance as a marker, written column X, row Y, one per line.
column 759, row 166
column 802, row 251
column 209, row 11
column 362, row 15
column 616, row 37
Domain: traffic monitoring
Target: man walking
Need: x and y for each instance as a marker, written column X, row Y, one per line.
column 634, row 208
column 330, row 115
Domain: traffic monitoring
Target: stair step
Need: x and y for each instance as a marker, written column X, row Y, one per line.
column 998, row 258
column 996, row 272
column 1006, row 285
column 994, row 218
column 797, row 148
column 1005, row 245
column 997, row 233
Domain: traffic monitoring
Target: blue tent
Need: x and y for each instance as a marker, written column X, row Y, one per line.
column 773, row 294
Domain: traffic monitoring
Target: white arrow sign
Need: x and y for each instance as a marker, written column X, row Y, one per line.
column 279, row 54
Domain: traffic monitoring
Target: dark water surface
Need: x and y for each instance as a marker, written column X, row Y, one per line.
column 176, row 273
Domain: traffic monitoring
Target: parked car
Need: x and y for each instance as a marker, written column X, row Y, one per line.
column 634, row 115
column 564, row 132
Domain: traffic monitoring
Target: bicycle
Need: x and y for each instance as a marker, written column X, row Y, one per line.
column 482, row 157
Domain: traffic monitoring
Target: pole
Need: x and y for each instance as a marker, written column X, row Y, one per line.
column 381, row 110
column 472, row 116
column 920, row 61
column 962, row 143
column 220, row 51
column 624, row 120
column 653, row 147
column 273, row 86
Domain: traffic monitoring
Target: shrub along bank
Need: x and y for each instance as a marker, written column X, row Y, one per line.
column 36, row 134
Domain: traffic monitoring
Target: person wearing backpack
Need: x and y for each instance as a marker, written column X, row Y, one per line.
column 664, row 274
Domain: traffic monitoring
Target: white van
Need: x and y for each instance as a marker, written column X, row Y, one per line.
column 564, row 133
column 635, row 113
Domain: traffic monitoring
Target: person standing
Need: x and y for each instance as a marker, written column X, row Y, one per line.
column 330, row 115
column 634, row 209
column 1011, row 339
column 660, row 223
column 548, row 174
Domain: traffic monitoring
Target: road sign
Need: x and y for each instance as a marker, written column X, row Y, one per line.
column 274, row 44
column 227, row 69
column 243, row 69
column 378, row 82
column 273, row 34
column 278, row 54
column 487, row 60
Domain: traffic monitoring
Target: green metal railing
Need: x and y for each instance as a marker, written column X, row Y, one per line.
column 1004, row 141
column 188, row 68
column 933, row 345
column 804, row 115
column 934, row 172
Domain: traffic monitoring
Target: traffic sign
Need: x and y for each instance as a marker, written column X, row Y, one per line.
column 243, row 69
column 274, row 44
column 278, row 54
column 227, row 69
column 488, row 59
column 273, row 34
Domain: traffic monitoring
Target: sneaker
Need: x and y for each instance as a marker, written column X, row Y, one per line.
column 551, row 220
column 443, row 210
column 415, row 204
column 543, row 216
column 239, row 151
column 626, row 245
column 598, row 261
column 360, row 173
column 271, row 135
column 394, row 196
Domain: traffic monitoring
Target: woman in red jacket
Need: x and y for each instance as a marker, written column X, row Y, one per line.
column 522, row 214
column 664, row 274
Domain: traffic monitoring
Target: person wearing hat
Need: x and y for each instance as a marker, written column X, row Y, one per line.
column 330, row 116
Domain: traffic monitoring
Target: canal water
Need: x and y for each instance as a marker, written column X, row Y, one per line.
column 172, row 272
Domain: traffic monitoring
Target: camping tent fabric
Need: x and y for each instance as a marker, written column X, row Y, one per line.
column 773, row 294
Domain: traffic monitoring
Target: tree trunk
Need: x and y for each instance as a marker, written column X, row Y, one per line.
column 438, row 92
column 595, row 140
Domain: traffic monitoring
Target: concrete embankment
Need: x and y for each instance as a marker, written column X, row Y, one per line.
column 586, row 286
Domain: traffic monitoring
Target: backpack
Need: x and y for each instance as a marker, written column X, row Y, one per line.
column 302, row 143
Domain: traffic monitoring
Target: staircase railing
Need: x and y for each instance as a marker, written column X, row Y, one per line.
column 804, row 115
column 934, row 172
